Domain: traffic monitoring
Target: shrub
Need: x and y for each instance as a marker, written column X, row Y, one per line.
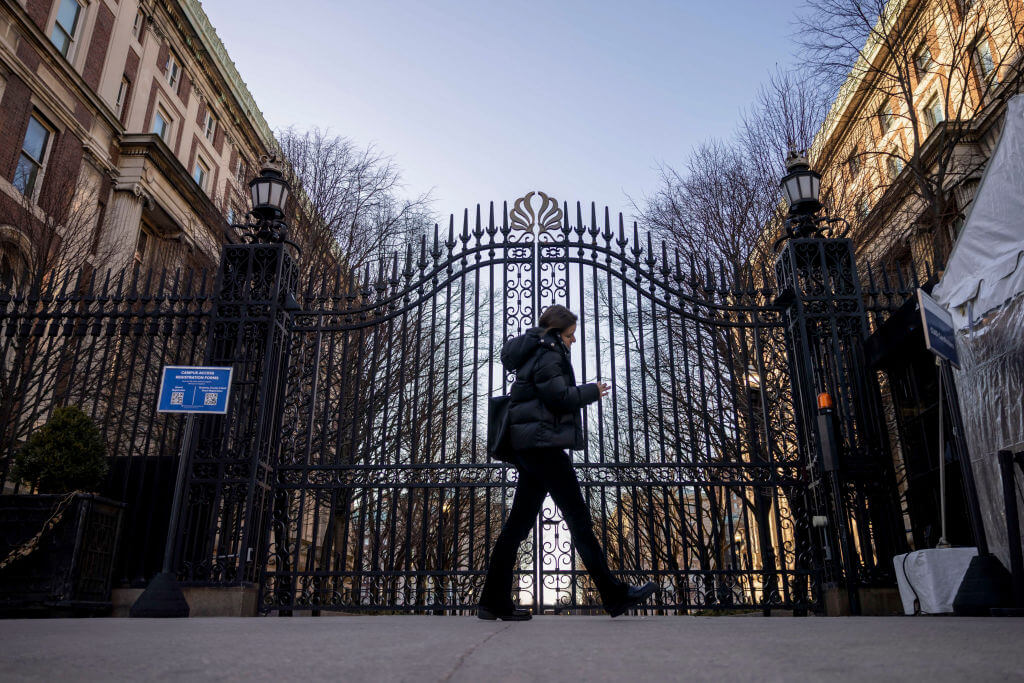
column 65, row 454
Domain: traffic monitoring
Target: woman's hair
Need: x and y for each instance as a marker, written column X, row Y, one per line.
column 557, row 318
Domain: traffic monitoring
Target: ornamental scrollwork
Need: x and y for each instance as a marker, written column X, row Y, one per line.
column 524, row 218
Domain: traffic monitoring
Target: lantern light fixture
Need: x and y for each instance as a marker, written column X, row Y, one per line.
column 801, row 185
column 269, row 191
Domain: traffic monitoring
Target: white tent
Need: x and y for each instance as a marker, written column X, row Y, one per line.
column 983, row 287
column 986, row 268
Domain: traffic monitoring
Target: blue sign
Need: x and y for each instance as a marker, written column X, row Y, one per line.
column 939, row 334
column 194, row 389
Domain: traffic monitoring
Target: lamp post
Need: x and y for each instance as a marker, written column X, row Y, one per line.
column 269, row 192
column 163, row 596
column 814, row 268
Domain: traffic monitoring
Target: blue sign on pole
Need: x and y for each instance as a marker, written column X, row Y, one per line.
column 194, row 389
column 939, row 334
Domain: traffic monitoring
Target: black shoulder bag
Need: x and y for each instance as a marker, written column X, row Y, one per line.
column 498, row 445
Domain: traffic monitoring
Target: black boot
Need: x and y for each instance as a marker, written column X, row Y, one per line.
column 516, row 614
column 635, row 596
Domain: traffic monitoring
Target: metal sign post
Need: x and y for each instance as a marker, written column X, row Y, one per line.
column 940, row 339
column 190, row 390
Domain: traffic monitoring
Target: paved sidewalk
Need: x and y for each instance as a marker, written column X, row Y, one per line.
column 421, row 648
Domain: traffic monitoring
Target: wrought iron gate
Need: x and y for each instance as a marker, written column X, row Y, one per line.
column 382, row 495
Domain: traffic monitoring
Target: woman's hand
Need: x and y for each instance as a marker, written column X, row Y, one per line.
column 603, row 388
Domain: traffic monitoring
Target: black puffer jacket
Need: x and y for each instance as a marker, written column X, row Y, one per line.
column 544, row 409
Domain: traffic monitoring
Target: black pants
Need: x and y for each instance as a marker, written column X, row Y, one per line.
column 541, row 472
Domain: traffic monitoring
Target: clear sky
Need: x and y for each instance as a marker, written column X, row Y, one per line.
column 488, row 100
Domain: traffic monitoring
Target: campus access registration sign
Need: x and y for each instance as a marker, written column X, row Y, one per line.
column 194, row 389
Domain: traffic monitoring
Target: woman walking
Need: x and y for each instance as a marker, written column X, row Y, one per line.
column 544, row 418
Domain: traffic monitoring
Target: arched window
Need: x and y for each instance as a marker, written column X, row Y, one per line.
column 14, row 250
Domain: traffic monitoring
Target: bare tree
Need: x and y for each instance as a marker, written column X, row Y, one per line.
column 721, row 210
column 786, row 114
column 712, row 208
column 53, row 228
column 350, row 206
column 720, row 206
column 915, row 82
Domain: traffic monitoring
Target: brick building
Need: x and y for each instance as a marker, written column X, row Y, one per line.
column 907, row 137
column 126, row 136
column 901, row 155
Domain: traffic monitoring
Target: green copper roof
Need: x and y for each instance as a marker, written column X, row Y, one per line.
column 193, row 10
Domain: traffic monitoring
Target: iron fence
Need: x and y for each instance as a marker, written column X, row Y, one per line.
column 98, row 341
column 351, row 474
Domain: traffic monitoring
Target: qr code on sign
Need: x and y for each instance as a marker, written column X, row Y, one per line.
column 177, row 398
column 209, row 399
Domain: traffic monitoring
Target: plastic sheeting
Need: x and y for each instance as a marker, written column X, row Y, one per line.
column 991, row 389
column 986, row 267
column 983, row 287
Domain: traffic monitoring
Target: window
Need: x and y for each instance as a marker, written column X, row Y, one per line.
column 201, row 172
column 895, row 165
column 923, row 59
column 240, row 171
column 210, row 125
column 13, row 266
column 854, row 162
column 138, row 26
column 33, row 154
column 64, row 28
column 885, row 117
column 162, row 124
column 141, row 246
column 934, row 113
column 173, row 70
column 231, row 215
column 122, row 95
column 863, row 207
column 983, row 55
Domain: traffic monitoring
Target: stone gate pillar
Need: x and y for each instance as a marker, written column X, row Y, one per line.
column 227, row 494
column 826, row 324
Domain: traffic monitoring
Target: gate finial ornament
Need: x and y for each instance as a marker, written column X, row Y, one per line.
column 547, row 217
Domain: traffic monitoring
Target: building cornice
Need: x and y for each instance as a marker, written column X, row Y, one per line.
column 213, row 60
column 157, row 154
